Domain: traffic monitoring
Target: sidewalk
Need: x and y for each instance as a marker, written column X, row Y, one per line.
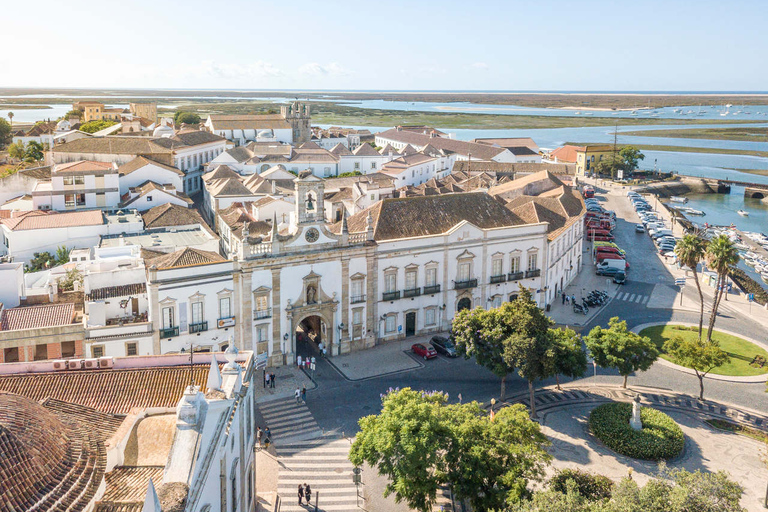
column 287, row 379
column 386, row 358
column 584, row 282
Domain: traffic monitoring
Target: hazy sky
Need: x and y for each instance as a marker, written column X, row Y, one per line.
column 411, row 45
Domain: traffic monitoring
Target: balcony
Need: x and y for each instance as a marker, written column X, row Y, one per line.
column 498, row 279
column 515, row 276
column 391, row 295
column 463, row 285
column 259, row 314
column 169, row 332
column 411, row 292
column 435, row 288
column 533, row 273
column 198, row 327
column 356, row 299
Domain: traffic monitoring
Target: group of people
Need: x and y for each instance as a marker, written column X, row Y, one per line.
column 305, row 362
column 269, row 380
column 305, row 491
column 301, row 395
column 264, row 437
column 568, row 299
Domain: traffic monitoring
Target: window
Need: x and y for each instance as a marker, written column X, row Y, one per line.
column 262, row 332
column 463, row 272
column 431, row 278
column 224, row 309
column 357, row 287
column 131, row 349
column 79, row 180
column 533, row 261
column 197, row 312
column 496, row 269
column 390, row 323
column 69, row 180
column 69, row 200
column 149, row 199
column 357, row 166
column 327, row 171
column 429, row 316
column 68, row 349
column 410, row 280
column 168, row 318
column 97, row 351
column 261, row 303
column 373, row 165
column 357, row 317
column 514, row 264
column 390, row 283
column 496, row 301
column 373, row 197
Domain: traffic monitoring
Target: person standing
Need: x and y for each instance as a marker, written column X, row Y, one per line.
column 304, row 394
column 272, row 380
column 297, row 395
column 298, row 362
column 308, row 493
column 259, row 434
column 563, row 294
column 266, row 380
column 267, row 437
column 301, row 494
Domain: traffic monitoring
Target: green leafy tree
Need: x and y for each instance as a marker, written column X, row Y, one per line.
column 5, row 132
column 420, row 444
column 490, row 461
column 350, row 174
column 74, row 113
column 67, row 283
column 41, row 261
column 181, row 117
column 721, row 255
column 34, row 152
column 631, row 157
column 96, row 125
column 481, row 334
column 690, row 252
column 570, row 358
column 700, row 355
column 62, row 255
column 616, row 347
column 528, row 345
column 17, row 150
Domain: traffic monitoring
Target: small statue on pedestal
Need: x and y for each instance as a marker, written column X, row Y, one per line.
column 635, row 422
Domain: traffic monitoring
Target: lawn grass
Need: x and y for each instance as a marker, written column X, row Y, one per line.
column 729, row 426
column 685, row 149
column 742, row 352
column 740, row 133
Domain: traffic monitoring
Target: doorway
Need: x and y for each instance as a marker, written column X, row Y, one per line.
column 309, row 337
column 465, row 303
column 410, row 323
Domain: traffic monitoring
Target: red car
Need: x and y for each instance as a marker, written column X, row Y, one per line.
column 423, row 351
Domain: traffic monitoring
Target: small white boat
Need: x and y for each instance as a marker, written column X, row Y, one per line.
column 678, row 199
column 750, row 262
column 764, row 276
column 743, row 213
column 691, row 211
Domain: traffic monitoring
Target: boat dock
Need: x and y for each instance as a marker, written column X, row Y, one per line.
column 753, row 246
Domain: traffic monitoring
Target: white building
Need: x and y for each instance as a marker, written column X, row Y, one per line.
column 141, row 169
column 418, row 168
column 79, row 185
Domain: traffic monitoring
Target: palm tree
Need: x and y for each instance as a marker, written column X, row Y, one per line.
column 690, row 252
column 10, row 116
column 721, row 255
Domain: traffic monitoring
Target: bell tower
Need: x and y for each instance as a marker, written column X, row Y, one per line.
column 298, row 116
column 310, row 204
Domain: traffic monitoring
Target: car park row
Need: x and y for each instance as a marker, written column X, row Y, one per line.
column 653, row 224
column 609, row 258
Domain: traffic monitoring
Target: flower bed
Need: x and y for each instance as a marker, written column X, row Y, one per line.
column 660, row 438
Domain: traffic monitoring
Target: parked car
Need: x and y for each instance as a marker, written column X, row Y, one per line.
column 444, row 346
column 423, row 351
column 608, row 271
column 639, row 229
column 620, row 277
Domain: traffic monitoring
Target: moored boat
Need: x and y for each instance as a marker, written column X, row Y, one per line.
column 743, row 213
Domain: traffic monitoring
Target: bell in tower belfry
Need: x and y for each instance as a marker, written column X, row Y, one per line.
column 310, row 205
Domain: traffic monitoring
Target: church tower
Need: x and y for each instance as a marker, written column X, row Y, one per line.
column 298, row 116
column 310, row 192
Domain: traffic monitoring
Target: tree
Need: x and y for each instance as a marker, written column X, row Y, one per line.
column 181, row 117
column 528, row 345
column 34, row 152
column 96, row 125
column 616, row 347
column 701, row 356
column 5, row 132
column 570, row 358
column 74, row 113
column 62, row 255
column 720, row 256
column 349, row 174
column 631, row 157
column 491, row 460
column 17, row 150
column 40, row 261
column 67, row 283
column 690, row 252
column 481, row 334
column 420, row 444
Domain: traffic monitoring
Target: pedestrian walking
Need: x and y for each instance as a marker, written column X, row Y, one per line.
column 267, row 437
column 301, row 494
column 272, row 380
column 308, row 493
column 304, row 394
column 266, row 380
column 297, row 394
column 298, row 362
column 563, row 294
column 259, row 435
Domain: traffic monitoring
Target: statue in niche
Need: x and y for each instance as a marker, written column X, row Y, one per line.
column 311, row 294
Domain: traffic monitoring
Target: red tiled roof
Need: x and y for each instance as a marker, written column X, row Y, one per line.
column 110, row 391
column 37, row 219
column 33, row 317
column 84, row 166
column 565, row 153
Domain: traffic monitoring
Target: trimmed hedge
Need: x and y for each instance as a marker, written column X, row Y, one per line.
column 660, row 438
column 590, row 486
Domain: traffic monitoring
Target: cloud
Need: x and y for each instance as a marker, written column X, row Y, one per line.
column 257, row 69
column 317, row 69
column 479, row 65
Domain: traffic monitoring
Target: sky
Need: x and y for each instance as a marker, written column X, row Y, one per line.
column 587, row 45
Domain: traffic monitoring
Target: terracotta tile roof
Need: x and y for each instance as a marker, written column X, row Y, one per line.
column 248, row 122
column 186, row 257
column 341, row 150
column 565, row 153
column 123, row 290
column 478, row 151
column 114, row 391
column 38, row 173
column 560, row 207
column 169, row 215
column 84, row 167
column 314, row 154
column 150, row 186
column 237, row 216
column 38, row 219
column 403, row 163
column 41, row 128
column 510, row 142
column 430, row 215
column 140, row 162
column 240, row 153
column 128, row 484
column 512, row 168
column 219, row 173
column 34, row 317
column 365, row 150
column 115, row 145
column 541, row 180
column 101, row 424
column 227, row 187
